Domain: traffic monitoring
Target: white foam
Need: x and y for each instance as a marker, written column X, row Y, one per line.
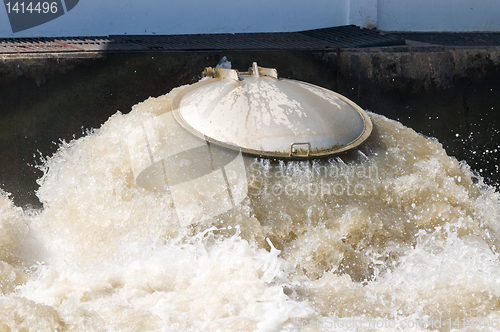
column 395, row 231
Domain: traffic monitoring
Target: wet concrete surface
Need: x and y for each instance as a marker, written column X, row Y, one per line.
column 451, row 93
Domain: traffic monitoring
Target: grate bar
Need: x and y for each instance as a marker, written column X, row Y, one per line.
column 319, row 39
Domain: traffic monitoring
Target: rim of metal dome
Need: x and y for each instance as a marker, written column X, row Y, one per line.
column 296, row 150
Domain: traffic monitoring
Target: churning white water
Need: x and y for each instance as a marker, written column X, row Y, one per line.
column 395, row 235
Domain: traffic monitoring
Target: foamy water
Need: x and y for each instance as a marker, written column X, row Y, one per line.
column 395, row 235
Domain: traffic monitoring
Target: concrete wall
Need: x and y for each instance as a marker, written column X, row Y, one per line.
column 102, row 18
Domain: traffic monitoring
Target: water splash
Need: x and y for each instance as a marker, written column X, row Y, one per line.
column 396, row 232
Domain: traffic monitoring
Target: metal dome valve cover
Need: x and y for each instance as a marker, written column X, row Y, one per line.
column 260, row 114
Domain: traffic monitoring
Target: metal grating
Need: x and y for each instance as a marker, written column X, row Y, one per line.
column 247, row 41
column 454, row 38
column 350, row 36
column 319, row 39
column 29, row 45
column 101, row 44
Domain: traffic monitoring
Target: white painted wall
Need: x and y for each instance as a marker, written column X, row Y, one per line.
column 439, row 15
column 98, row 17
column 101, row 18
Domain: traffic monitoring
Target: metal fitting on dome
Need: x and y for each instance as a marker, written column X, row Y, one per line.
column 221, row 73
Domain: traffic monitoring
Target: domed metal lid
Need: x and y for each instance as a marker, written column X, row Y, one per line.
column 264, row 115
